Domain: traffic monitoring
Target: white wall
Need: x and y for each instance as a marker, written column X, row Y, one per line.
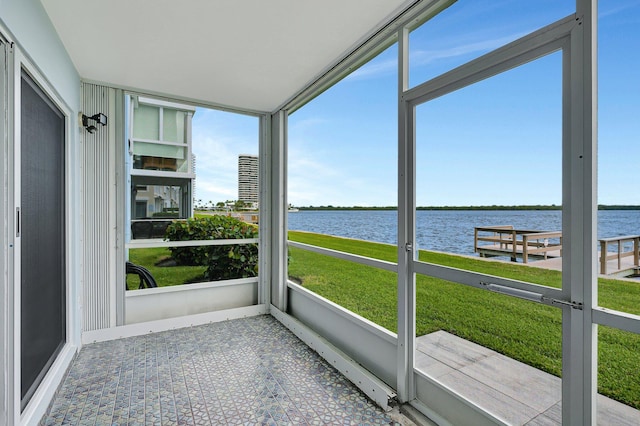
column 25, row 23
column 30, row 28
column 160, row 303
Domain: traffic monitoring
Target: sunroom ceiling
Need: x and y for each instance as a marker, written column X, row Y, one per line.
column 249, row 54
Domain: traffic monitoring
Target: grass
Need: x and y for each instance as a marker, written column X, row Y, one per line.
column 164, row 276
column 522, row 330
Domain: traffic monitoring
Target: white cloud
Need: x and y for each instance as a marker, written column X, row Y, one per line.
column 603, row 12
column 207, row 191
column 324, row 178
column 306, row 124
column 455, row 48
column 374, row 69
column 218, row 139
column 311, row 179
column 423, row 57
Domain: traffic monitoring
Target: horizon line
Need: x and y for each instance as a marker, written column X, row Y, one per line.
column 471, row 207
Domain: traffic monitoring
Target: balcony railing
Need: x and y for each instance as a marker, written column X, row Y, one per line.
column 517, row 243
column 625, row 247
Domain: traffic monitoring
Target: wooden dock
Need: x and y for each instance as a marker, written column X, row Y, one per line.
column 490, row 241
column 623, row 259
column 514, row 392
column 618, row 256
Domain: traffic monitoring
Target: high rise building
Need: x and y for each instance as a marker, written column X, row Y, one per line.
column 248, row 178
column 193, row 182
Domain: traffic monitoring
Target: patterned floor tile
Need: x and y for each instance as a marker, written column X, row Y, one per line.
column 250, row 371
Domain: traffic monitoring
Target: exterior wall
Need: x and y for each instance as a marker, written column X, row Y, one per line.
column 26, row 23
column 177, row 301
column 36, row 45
column 102, row 164
column 31, row 29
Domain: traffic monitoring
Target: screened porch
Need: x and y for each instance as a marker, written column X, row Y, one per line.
column 319, row 329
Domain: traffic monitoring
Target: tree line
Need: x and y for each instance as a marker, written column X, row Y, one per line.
column 491, row 207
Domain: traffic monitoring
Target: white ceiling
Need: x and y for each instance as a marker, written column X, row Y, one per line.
column 247, row 54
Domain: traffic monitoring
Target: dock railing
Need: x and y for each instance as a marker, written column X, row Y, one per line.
column 621, row 251
column 507, row 241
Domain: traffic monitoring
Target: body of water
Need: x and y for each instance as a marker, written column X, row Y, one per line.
column 448, row 230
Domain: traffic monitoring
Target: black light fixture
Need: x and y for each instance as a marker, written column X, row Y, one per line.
column 99, row 118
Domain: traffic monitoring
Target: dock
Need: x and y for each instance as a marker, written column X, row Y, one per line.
column 491, row 241
column 511, row 390
column 617, row 256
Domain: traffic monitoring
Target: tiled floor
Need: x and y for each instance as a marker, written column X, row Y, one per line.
column 246, row 371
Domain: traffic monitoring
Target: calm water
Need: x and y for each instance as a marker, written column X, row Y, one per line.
column 450, row 231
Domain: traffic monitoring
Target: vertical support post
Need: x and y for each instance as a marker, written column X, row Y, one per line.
column 620, row 254
column 273, row 210
column 120, row 200
column 188, row 124
column 13, row 277
column 475, row 240
column 114, row 265
column 6, row 325
column 406, row 227
column 579, row 360
column 264, row 214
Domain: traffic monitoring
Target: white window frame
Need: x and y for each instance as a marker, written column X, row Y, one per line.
column 578, row 33
column 155, row 243
column 578, row 296
column 161, row 105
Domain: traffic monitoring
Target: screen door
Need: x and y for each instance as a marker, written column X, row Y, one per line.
column 42, row 233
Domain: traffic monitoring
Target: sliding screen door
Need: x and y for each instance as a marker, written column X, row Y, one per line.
column 42, row 233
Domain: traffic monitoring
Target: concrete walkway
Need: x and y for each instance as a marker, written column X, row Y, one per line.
column 510, row 390
column 613, row 271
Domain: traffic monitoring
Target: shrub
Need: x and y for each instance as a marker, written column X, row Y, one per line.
column 222, row 262
column 190, row 230
column 171, row 215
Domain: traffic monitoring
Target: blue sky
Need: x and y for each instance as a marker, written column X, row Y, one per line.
column 218, row 138
column 496, row 142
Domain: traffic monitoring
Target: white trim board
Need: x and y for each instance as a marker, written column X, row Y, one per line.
column 39, row 402
column 171, row 324
column 368, row 383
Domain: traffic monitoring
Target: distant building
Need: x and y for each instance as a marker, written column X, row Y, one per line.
column 157, row 200
column 162, row 162
column 248, row 179
column 193, row 181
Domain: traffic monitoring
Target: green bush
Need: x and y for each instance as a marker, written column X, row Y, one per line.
column 171, row 215
column 222, row 262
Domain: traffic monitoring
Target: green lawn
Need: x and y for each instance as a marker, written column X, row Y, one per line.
column 526, row 331
column 164, row 276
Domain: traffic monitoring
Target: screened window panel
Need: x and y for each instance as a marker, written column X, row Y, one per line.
column 173, row 125
column 146, row 123
column 156, row 150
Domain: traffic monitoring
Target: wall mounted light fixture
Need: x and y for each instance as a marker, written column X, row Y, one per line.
column 98, row 118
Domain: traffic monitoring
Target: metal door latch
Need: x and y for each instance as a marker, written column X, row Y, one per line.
column 529, row 295
column 551, row 301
